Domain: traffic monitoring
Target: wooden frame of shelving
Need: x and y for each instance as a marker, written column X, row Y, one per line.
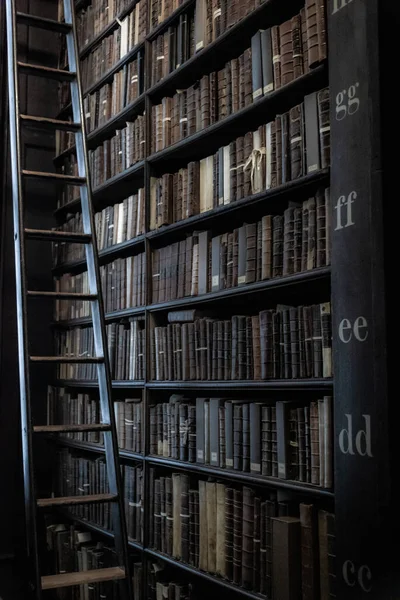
column 199, row 145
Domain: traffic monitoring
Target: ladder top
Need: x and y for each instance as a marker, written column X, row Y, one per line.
column 51, row 582
column 71, row 428
column 56, row 177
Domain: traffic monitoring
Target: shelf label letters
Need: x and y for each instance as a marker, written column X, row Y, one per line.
column 348, row 213
column 362, row 441
column 361, row 576
column 359, row 330
column 339, row 4
column 347, row 102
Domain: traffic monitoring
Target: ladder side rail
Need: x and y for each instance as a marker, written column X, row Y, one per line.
column 21, row 303
column 99, row 329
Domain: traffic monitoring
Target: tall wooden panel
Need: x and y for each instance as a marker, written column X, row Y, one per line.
column 358, row 298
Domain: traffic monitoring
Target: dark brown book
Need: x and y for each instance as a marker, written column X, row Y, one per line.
column 237, row 536
column 276, row 56
column 286, row 568
column 248, row 538
column 312, row 32
column 255, row 438
column 309, row 552
column 286, row 52
column 229, row 528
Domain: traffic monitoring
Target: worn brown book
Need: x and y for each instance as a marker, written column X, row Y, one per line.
column 309, row 552
column 286, row 567
column 276, row 56
column 286, row 52
column 324, row 127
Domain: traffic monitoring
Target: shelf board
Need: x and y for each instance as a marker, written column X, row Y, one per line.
column 305, row 185
column 244, row 290
column 169, row 20
column 96, row 528
column 109, row 317
column 90, row 447
column 207, row 141
column 207, row 576
column 272, row 384
column 214, row 56
column 263, row 480
column 106, row 30
column 107, row 77
column 105, row 256
column 75, row 383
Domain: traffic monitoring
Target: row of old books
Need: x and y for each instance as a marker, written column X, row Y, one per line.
column 111, row 98
column 124, row 149
column 160, row 10
column 123, row 283
column 113, row 156
column 93, row 19
column 173, row 47
column 248, row 537
column 78, row 476
column 114, row 224
column 73, row 408
column 285, row 440
column 275, row 246
column 72, row 548
column 126, row 343
column 286, row 343
column 295, row 144
column 113, row 48
column 270, row 63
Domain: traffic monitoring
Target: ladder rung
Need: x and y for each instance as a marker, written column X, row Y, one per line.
column 71, row 428
column 73, row 500
column 52, row 582
column 58, row 236
column 47, row 72
column 67, row 359
column 57, row 177
column 53, row 124
column 42, row 23
column 61, row 295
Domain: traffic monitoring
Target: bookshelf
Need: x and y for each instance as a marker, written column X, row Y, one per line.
column 315, row 285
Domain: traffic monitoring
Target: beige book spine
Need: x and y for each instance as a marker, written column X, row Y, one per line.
column 211, row 493
column 203, row 526
column 220, row 529
column 176, row 499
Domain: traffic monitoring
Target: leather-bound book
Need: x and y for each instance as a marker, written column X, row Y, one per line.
column 213, row 98
column 257, row 66
column 246, row 438
column 327, row 555
column 229, row 528
column 237, row 437
column 211, row 495
column 286, row 568
column 309, row 552
column 220, row 528
column 242, row 350
column 259, row 251
column 266, row 456
column 193, row 188
column 308, row 340
column 277, row 246
column 317, row 340
column 296, row 140
column 312, row 234
column 321, row 207
column 307, row 443
column 297, row 240
column 311, row 12
column 234, row 87
column 248, row 539
column 201, row 25
column 266, row 243
column 326, row 332
column 278, row 150
column 285, row 148
column 215, row 404
column 227, row 349
column 177, row 524
column 233, row 172
column 312, row 132
column 169, row 521
column 294, row 343
column 288, row 241
column 240, row 168
column 191, row 425
column 276, row 56
column 256, row 342
column 324, row 127
column 237, row 536
column 157, row 516
column 216, row 19
column 286, row 52
column 221, row 90
column 301, row 437
column 185, row 516
column 249, row 349
column 205, row 101
column 255, row 438
column 163, row 515
column 314, row 443
column 321, row 29
column 203, row 526
column 250, row 232
column 204, row 238
column 305, row 226
column 266, row 344
column 197, row 527
column 297, row 46
column 304, row 40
